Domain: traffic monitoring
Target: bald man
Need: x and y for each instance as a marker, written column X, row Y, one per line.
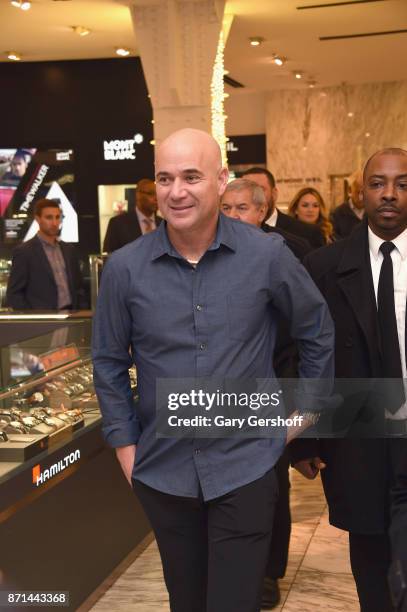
column 126, row 227
column 348, row 215
column 195, row 299
column 364, row 281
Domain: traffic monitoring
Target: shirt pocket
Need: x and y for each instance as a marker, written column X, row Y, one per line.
column 246, row 314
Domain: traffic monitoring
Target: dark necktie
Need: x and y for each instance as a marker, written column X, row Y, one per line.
column 391, row 361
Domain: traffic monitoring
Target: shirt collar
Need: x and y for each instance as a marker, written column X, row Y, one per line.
column 272, row 220
column 46, row 243
column 400, row 242
column 224, row 236
column 141, row 216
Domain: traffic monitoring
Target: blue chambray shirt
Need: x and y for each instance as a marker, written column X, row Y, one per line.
column 186, row 322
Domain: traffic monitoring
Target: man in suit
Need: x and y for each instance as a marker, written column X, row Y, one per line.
column 348, row 215
column 45, row 272
column 398, row 535
column 364, row 281
column 245, row 200
column 128, row 226
column 274, row 217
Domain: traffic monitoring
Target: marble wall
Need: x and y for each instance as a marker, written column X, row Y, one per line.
column 246, row 112
column 317, row 137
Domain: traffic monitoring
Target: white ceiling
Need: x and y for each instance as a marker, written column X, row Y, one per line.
column 43, row 33
column 295, row 34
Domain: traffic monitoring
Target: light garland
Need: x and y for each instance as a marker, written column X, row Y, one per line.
column 217, row 100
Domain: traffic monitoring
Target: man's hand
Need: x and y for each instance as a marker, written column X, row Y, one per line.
column 310, row 467
column 126, row 456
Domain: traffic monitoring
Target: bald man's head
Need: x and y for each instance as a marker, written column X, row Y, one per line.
column 386, row 151
column 385, row 192
column 146, row 197
column 186, row 138
column 190, row 179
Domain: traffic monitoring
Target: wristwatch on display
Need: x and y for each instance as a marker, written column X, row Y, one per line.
column 16, row 427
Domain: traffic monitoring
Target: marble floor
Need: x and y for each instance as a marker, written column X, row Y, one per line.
column 318, row 576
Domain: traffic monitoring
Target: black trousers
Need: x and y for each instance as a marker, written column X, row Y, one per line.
column 280, row 539
column 370, row 558
column 214, row 553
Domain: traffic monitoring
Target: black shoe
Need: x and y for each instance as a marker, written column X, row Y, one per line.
column 271, row 594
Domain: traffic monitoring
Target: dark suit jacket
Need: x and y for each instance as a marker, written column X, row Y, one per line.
column 356, row 479
column 31, row 285
column 285, row 352
column 121, row 230
column 398, row 532
column 299, row 246
column 307, row 231
column 344, row 221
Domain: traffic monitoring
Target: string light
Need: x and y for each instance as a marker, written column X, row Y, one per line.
column 217, row 100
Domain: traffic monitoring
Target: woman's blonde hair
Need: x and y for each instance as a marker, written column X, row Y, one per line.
column 323, row 222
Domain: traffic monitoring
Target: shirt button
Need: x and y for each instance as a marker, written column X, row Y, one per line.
column 202, row 346
column 199, row 307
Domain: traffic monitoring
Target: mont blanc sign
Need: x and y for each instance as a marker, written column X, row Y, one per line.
column 115, row 150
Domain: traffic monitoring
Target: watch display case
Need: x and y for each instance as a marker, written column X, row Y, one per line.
column 55, row 468
column 46, row 393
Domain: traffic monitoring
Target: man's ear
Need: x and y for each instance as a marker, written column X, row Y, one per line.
column 223, row 178
column 274, row 194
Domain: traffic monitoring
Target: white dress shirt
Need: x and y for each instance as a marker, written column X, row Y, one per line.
column 399, row 259
column 272, row 220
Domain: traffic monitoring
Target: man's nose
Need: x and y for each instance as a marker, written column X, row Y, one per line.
column 389, row 193
column 177, row 189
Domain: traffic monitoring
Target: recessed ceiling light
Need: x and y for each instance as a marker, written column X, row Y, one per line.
column 24, row 6
column 298, row 75
column 255, row 41
column 278, row 59
column 122, row 51
column 12, row 55
column 367, row 134
column 80, row 30
column 311, row 84
column 350, row 114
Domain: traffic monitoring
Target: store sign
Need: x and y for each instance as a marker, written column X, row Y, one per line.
column 231, row 146
column 121, row 149
column 39, row 179
column 40, row 477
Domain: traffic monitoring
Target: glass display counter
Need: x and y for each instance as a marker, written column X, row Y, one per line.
column 67, row 515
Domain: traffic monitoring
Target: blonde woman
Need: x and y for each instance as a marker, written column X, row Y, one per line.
column 308, row 206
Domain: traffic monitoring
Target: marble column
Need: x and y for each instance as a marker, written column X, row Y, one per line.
column 177, row 40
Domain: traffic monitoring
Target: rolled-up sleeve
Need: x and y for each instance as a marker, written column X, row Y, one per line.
column 112, row 359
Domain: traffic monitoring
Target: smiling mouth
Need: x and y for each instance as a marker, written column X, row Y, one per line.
column 181, row 208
